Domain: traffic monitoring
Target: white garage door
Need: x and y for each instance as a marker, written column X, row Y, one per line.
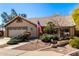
column 15, row 33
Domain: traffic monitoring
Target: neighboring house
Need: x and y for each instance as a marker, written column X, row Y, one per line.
column 19, row 24
column 1, row 31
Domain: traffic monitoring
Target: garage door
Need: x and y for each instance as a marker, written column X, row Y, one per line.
column 15, row 33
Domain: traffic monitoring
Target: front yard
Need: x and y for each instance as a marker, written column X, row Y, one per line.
column 39, row 45
column 32, row 46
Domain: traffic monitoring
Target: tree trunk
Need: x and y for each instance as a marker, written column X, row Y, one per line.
column 59, row 33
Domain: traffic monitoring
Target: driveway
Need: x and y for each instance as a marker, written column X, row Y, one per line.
column 4, row 40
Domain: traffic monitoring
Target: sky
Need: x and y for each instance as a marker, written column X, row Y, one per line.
column 34, row 10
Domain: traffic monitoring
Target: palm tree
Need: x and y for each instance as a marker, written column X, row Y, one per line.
column 13, row 14
column 5, row 17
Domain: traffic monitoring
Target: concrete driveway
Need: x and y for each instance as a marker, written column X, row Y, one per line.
column 4, row 40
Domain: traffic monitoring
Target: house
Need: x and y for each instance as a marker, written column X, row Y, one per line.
column 18, row 25
column 1, row 31
column 64, row 24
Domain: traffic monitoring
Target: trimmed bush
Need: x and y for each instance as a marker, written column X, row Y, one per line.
column 45, row 38
column 55, row 37
column 48, row 37
column 50, row 28
column 26, row 36
column 74, row 42
column 21, row 38
column 13, row 41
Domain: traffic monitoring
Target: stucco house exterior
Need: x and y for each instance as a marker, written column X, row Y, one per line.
column 20, row 24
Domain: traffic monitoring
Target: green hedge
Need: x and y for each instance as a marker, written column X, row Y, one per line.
column 14, row 40
column 19, row 38
column 74, row 42
column 48, row 37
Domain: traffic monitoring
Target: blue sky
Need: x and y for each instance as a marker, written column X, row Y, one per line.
column 38, row 9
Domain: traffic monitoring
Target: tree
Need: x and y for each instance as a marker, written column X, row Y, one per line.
column 49, row 28
column 58, row 25
column 5, row 17
column 23, row 15
column 13, row 14
column 75, row 15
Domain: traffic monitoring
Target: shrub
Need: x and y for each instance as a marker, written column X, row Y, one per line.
column 48, row 37
column 26, row 36
column 20, row 38
column 50, row 28
column 74, row 42
column 44, row 38
column 55, row 37
column 13, row 41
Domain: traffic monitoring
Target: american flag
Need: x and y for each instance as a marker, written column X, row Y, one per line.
column 39, row 28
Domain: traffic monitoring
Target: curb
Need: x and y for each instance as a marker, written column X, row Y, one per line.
column 71, row 53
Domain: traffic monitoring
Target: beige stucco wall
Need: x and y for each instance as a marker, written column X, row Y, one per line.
column 22, row 24
column 5, row 33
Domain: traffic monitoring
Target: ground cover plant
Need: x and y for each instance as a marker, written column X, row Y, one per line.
column 74, row 42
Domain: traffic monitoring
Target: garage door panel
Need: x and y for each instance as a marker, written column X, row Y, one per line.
column 15, row 33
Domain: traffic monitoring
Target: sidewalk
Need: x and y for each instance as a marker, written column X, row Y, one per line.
column 41, row 53
column 14, row 46
column 10, row 52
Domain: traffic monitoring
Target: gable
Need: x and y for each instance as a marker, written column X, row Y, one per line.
column 19, row 22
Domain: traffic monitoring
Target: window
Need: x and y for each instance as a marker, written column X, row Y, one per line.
column 66, row 30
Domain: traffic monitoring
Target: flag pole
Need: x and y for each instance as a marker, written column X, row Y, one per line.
column 37, row 39
column 38, row 36
column 39, row 31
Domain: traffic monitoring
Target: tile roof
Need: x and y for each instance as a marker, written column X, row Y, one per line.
column 57, row 20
